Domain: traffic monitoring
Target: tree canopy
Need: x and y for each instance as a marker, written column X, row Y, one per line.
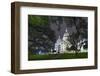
column 38, row 20
column 39, row 33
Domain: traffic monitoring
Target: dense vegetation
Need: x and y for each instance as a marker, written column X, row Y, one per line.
column 40, row 34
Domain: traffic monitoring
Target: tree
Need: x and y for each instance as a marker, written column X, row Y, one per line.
column 80, row 24
column 40, row 34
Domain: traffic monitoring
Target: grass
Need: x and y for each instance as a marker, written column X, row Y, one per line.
column 58, row 56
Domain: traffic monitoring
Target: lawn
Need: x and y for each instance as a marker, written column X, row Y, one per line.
column 58, row 56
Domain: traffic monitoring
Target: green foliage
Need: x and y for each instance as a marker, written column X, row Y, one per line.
column 39, row 33
column 38, row 20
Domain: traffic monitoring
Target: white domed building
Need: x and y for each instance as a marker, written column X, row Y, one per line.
column 62, row 44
